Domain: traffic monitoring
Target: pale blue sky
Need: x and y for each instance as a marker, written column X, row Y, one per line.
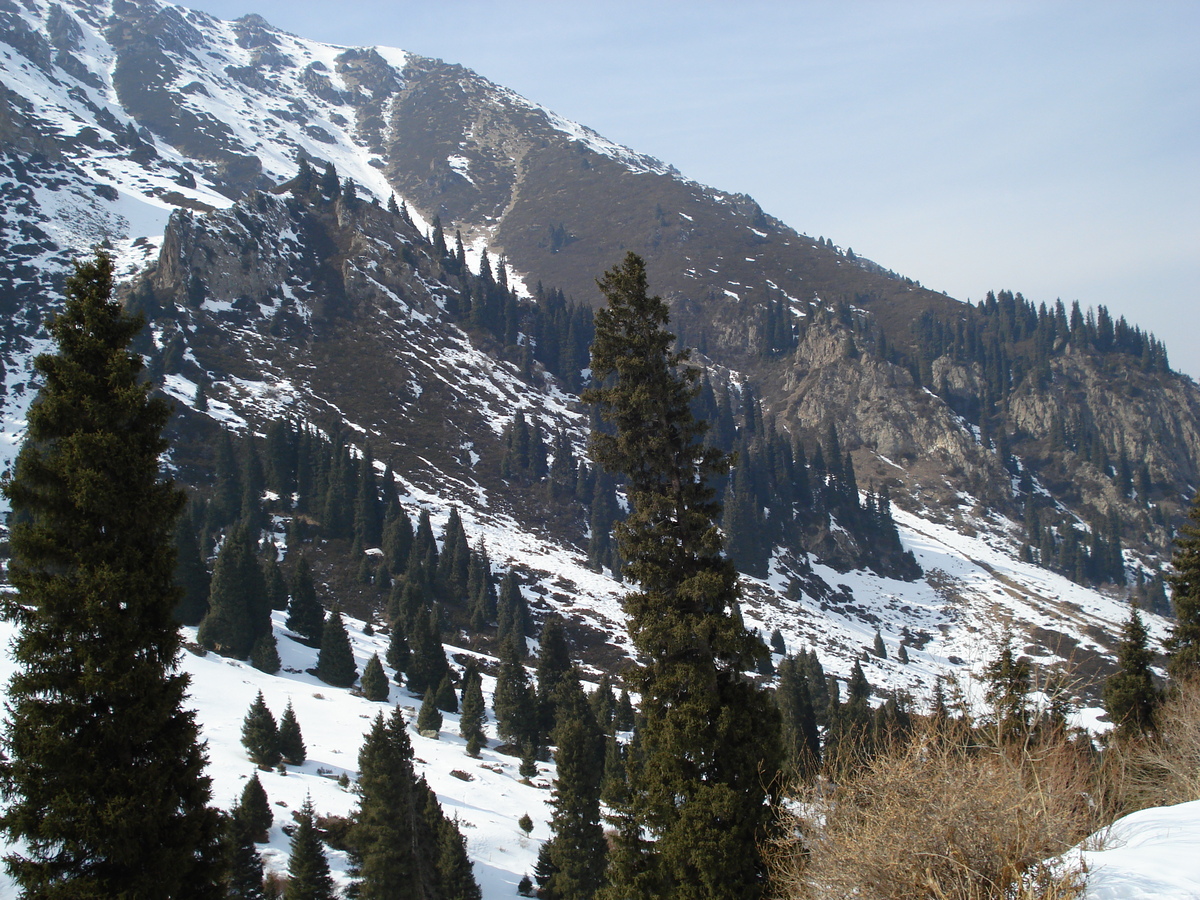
column 1047, row 147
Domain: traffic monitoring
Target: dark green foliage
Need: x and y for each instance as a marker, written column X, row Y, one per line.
column 554, row 662
column 308, row 867
column 254, row 809
column 623, row 717
column 277, row 593
column 264, row 655
column 525, row 823
column 454, row 563
column 514, row 701
column 190, row 573
column 481, row 590
column 397, row 541
column 878, row 648
column 513, row 612
column 445, row 697
column 1130, row 695
column 374, row 680
column 455, row 874
column 397, row 651
column 528, row 768
column 306, row 616
column 474, row 713
column 777, row 644
column 1007, row 681
column 801, row 738
column 1183, row 646
column 424, row 551
column 102, row 770
column 243, row 866
column 239, row 612
column 604, row 703
column 710, row 740
column 291, row 741
column 335, row 660
column 386, row 838
column 260, row 734
column 577, row 850
column 429, row 717
column 427, row 664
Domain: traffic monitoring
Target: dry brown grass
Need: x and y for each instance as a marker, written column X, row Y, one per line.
column 944, row 820
column 1162, row 769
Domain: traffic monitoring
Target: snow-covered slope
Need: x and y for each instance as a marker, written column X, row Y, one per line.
column 486, row 795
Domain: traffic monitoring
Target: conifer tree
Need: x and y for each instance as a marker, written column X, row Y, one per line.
column 473, row 715
column 1008, row 680
column 254, row 810
column 386, row 836
column 1183, row 646
column 514, row 702
column 1130, row 696
column 577, row 848
column 512, row 617
column 264, row 655
column 801, row 738
column 277, row 595
column 711, row 739
column 374, row 680
column 427, row 664
column 243, row 865
column 190, row 573
column 102, row 770
column 554, row 662
column 291, row 741
column 239, row 611
column 397, row 651
column 445, row 696
column 306, row 616
column 308, row 867
column 429, row 717
column 335, row 659
column 260, row 734
column 455, row 874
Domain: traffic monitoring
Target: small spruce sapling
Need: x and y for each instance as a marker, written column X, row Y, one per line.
column 260, row 734
column 255, row 810
column 429, row 718
column 264, row 656
column 335, row 660
column 374, row 680
column 291, row 741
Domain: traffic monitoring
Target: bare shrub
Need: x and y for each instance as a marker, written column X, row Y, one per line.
column 1163, row 768
column 943, row 819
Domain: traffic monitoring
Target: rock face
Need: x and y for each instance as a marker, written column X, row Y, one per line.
column 115, row 113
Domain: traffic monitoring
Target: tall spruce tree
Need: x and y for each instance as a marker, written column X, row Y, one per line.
column 1183, row 646
column 308, row 866
column 710, row 741
column 577, row 849
column 102, row 774
column 1130, row 695
column 306, row 616
column 291, row 740
column 335, row 659
column 239, row 610
column 386, row 836
column 474, row 713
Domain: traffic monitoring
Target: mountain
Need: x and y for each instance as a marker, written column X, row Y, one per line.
column 288, row 217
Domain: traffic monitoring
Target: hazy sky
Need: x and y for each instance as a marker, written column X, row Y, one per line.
column 1046, row 147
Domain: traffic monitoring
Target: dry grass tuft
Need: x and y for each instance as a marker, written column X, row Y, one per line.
column 945, row 820
column 1164, row 768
